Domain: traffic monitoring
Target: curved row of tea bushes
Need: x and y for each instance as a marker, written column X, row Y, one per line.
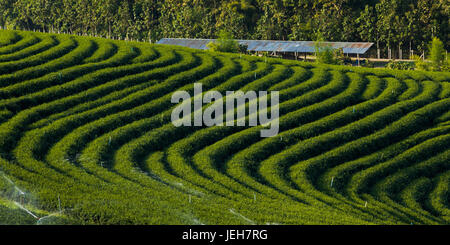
column 75, row 56
column 440, row 195
column 415, row 194
column 247, row 136
column 262, row 151
column 9, row 38
column 86, row 158
column 59, row 128
column 268, row 146
column 228, row 70
column 51, row 70
column 65, row 45
column 57, row 82
column 363, row 180
column 35, row 46
column 341, row 174
column 383, row 202
column 307, row 172
column 130, row 162
column 388, row 189
column 166, row 99
column 15, row 125
column 208, row 157
column 105, row 50
column 177, row 153
column 13, row 41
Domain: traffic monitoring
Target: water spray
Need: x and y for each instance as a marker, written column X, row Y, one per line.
column 22, row 194
column 26, row 210
column 59, row 204
column 242, row 216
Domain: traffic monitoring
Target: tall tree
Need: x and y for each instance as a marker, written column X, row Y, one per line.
column 391, row 23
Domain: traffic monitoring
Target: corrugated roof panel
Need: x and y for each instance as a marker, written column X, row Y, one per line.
column 270, row 46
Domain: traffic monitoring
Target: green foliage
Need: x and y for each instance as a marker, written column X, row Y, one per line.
column 446, row 65
column 437, row 55
column 438, row 60
column 367, row 63
column 225, row 43
column 243, row 48
column 324, row 53
column 86, row 123
column 420, row 64
column 388, row 22
column 400, row 65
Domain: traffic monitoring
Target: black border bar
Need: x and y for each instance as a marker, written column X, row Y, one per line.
column 273, row 234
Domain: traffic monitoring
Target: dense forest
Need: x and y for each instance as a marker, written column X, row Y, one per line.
column 389, row 23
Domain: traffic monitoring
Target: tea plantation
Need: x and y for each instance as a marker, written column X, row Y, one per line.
column 86, row 137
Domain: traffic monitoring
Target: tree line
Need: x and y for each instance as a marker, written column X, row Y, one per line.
column 388, row 23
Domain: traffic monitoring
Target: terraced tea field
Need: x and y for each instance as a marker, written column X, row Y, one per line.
column 86, row 133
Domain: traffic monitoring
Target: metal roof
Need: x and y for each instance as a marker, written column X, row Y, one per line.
column 270, row 46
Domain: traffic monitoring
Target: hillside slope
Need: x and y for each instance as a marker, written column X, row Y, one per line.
column 85, row 130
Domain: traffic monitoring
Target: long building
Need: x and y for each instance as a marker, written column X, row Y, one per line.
column 286, row 49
